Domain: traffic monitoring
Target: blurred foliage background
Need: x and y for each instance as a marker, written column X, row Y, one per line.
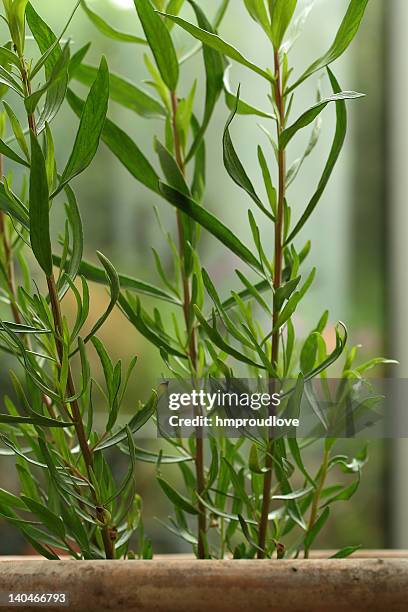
column 346, row 231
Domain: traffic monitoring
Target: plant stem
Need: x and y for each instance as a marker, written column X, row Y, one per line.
column 317, row 495
column 27, row 90
column 277, row 281
column 192, row 345
column 75, row 412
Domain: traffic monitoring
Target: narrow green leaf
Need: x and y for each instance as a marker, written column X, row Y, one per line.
column 17, row 130
column 19, row 328
column 218, row 512
column 33, row 420
column 40, row 209
column 75, row 223
column 214, row 70
column 7, row 79
column 345, row 494
column 123, row 147
column 210, row 223
column 105, row 28
column 297, row 456
column 373, row 363
column 147, row 327
column 292, row 495
column 218, row 340
column 46, row 40
column 235, row 168
column 149, row 457
column 171, row 169
column 220, row 14
column 105, row 360
column 239, row 486
column 12, row 206
column 45, row 552
column 10, row 154
column 7, row 57
column 266, row 175
column 174, row 496
column 243, row 108
column 58, row 73
column 48, row 518
column 123, row 92
column 136, row 423
column 308, row 353
column 253, row 291
column 173, row 7
column 98, row 275
column 281, row 16
column 310, row 115
column 339, row 138
column 215, row 42
column 246, row 294
column 258, row 12
column 78, row 58
column 114, row 286
column 316, row 528
column 16, row 20
column 199, row 174
column 341, row 343
column 90, row 127
column 345, row 35
column 184, row 115
column 347, row 551
column 247, row 533
column 9, row 499
column 160, row 43
column 43, row 59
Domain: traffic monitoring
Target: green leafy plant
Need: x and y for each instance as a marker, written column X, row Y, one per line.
column 71, row 502
column 254, row 496
column 181, row 147
column 280, row 274
column 231, row 496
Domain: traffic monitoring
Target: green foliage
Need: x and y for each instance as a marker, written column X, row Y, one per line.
column 281, row 16
column 70, row 499
column 40, row 209
column 90, row 127
column 105, row 28
column 254, row 496
column 159, row 40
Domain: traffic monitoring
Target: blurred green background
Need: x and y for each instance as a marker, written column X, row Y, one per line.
column 347, row 231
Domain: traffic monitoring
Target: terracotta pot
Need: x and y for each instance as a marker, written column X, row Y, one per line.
column 370, row 582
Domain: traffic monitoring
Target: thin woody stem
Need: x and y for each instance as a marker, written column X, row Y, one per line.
column 277, row 281
column 192, row 344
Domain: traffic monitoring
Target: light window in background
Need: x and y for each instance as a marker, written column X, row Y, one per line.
column 123, row 4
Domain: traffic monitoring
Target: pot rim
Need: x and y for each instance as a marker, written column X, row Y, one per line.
column 316, row 555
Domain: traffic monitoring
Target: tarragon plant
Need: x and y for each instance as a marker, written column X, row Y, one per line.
column 180, row 147
column 282, row 285
column 254, row 496
column 231, row 496
column 70, row 500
